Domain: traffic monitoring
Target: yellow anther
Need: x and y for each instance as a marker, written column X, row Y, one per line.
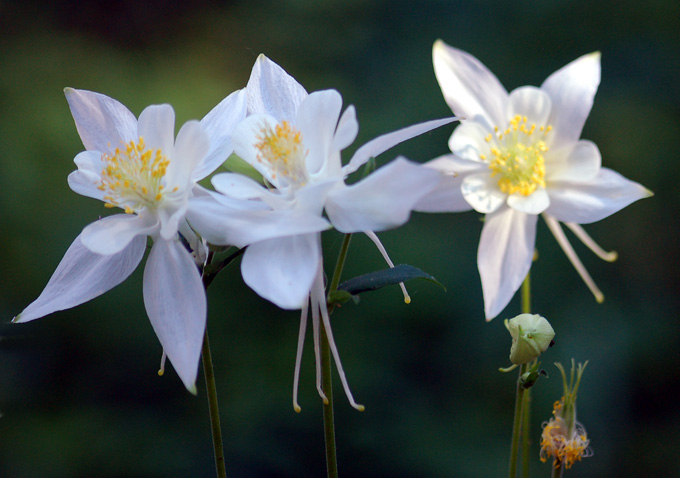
column 516, row 157
column 131, row 179
column 281, row 148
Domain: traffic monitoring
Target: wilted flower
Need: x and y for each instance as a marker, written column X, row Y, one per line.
column 564, row 438
column 518, row 155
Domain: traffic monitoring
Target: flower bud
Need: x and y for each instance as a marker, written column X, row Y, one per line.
column 531, row 335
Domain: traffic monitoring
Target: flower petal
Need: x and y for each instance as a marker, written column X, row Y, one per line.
column 482, row 193
column 572, row 90
column 157, row 127
column 112, row 234
column 347, row 130
column 531, row 102
column 468, row 141
column 83, row 275
column 580, row 164
column 534, row 203
column 386, row 141
column 593, row 200
column 469, row 88
column 282, row 270
column 219, row 125
column 175, row 301
column 102, row 122
column 87, row 178
column 506, row 249
column 272, row 91
column 191, row 147
column 222, row 223
column 246, row 135
column 383, row 200
column 317, row 120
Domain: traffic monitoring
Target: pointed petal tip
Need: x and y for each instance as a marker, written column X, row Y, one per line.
column 192, row 389
column 648, row 193
column 16, row 319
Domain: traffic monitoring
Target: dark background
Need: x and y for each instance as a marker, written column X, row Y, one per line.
column 79, row 394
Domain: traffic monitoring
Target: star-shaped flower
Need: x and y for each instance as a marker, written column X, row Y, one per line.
column 139, row 167
column 519, row 155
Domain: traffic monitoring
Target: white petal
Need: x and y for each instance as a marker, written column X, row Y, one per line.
column 469, row 88
column 386, row 141
column 83, row 275
column 383, row 200
column 102, row 122
column 580, row 164
column 455, row 165
column 272, row 91
column 191, row 147
column 506, row 249
column 87, row 179
column 534, row 203
column 175, row 301
column 593, row 200
column 468, row 141
column 482, row 193
column 246, row 136
column 238, row 186
column 112, row 234
column 531, row 102
column 219, row 125
column 348, row 128
column 282, row 270
column 157, row 127
column 317, row 120
column 572, row 90
column 221, row 224
column 447, row 195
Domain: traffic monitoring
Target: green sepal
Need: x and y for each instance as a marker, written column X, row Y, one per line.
column 529, row 378
column 379, row 279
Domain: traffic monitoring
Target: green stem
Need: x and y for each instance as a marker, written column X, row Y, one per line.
column 210, row 385
column 526, row 405
column 557, row 471
column 328, row 419
column 326, row 377
column 517, row 422
column 214, row 407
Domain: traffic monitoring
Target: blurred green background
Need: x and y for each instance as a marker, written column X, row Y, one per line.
column 79, row 394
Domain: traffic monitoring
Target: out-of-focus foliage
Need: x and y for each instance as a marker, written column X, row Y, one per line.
column 79, row 394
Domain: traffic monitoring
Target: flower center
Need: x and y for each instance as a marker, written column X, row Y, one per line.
column 517, row 156
column 132, row 178
column 282, row 150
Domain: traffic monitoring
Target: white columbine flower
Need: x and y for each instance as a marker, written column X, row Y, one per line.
column 518, row 155
column 138, row 166
column 294, row 140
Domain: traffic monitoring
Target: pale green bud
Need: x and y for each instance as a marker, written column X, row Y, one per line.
column 531, row 335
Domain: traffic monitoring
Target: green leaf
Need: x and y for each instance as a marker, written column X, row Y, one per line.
column 378, row 279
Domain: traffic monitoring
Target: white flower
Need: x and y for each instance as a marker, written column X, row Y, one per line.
column 294, row 140
column 138, row 166
column 518, row 155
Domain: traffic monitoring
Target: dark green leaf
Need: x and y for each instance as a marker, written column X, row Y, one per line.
column 378, row 279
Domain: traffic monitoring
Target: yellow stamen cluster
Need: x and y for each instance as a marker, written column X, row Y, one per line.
column 556, row 442
column 282, row 149
column 132, row 178
column 517, row 156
